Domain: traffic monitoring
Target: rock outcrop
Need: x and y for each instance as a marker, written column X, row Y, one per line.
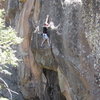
column 69, row 68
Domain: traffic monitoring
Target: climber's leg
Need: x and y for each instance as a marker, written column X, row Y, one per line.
column 48, row 41
column 45, row 38
column 43, row 42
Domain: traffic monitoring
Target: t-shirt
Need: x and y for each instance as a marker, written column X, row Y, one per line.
column 45, row 30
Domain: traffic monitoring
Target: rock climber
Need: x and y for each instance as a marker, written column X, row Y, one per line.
column 45, row 33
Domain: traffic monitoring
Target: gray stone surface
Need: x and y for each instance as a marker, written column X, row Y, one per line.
column 9, row 75
column 74, row 52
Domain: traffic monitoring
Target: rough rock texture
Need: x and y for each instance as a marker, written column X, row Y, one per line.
column 9, row 76
column 70, row 67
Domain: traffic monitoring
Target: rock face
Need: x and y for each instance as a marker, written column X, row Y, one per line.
column 69, row 68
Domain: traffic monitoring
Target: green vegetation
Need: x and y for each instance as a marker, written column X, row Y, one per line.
column 8, row 40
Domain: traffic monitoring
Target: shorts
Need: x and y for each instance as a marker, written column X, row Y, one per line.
column 45, row 36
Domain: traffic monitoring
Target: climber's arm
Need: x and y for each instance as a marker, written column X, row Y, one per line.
column 53, row 27
column 47, row 19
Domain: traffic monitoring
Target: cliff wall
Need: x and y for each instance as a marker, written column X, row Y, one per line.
column 69, row 68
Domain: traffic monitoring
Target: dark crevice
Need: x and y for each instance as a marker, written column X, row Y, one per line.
column 52, row 91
